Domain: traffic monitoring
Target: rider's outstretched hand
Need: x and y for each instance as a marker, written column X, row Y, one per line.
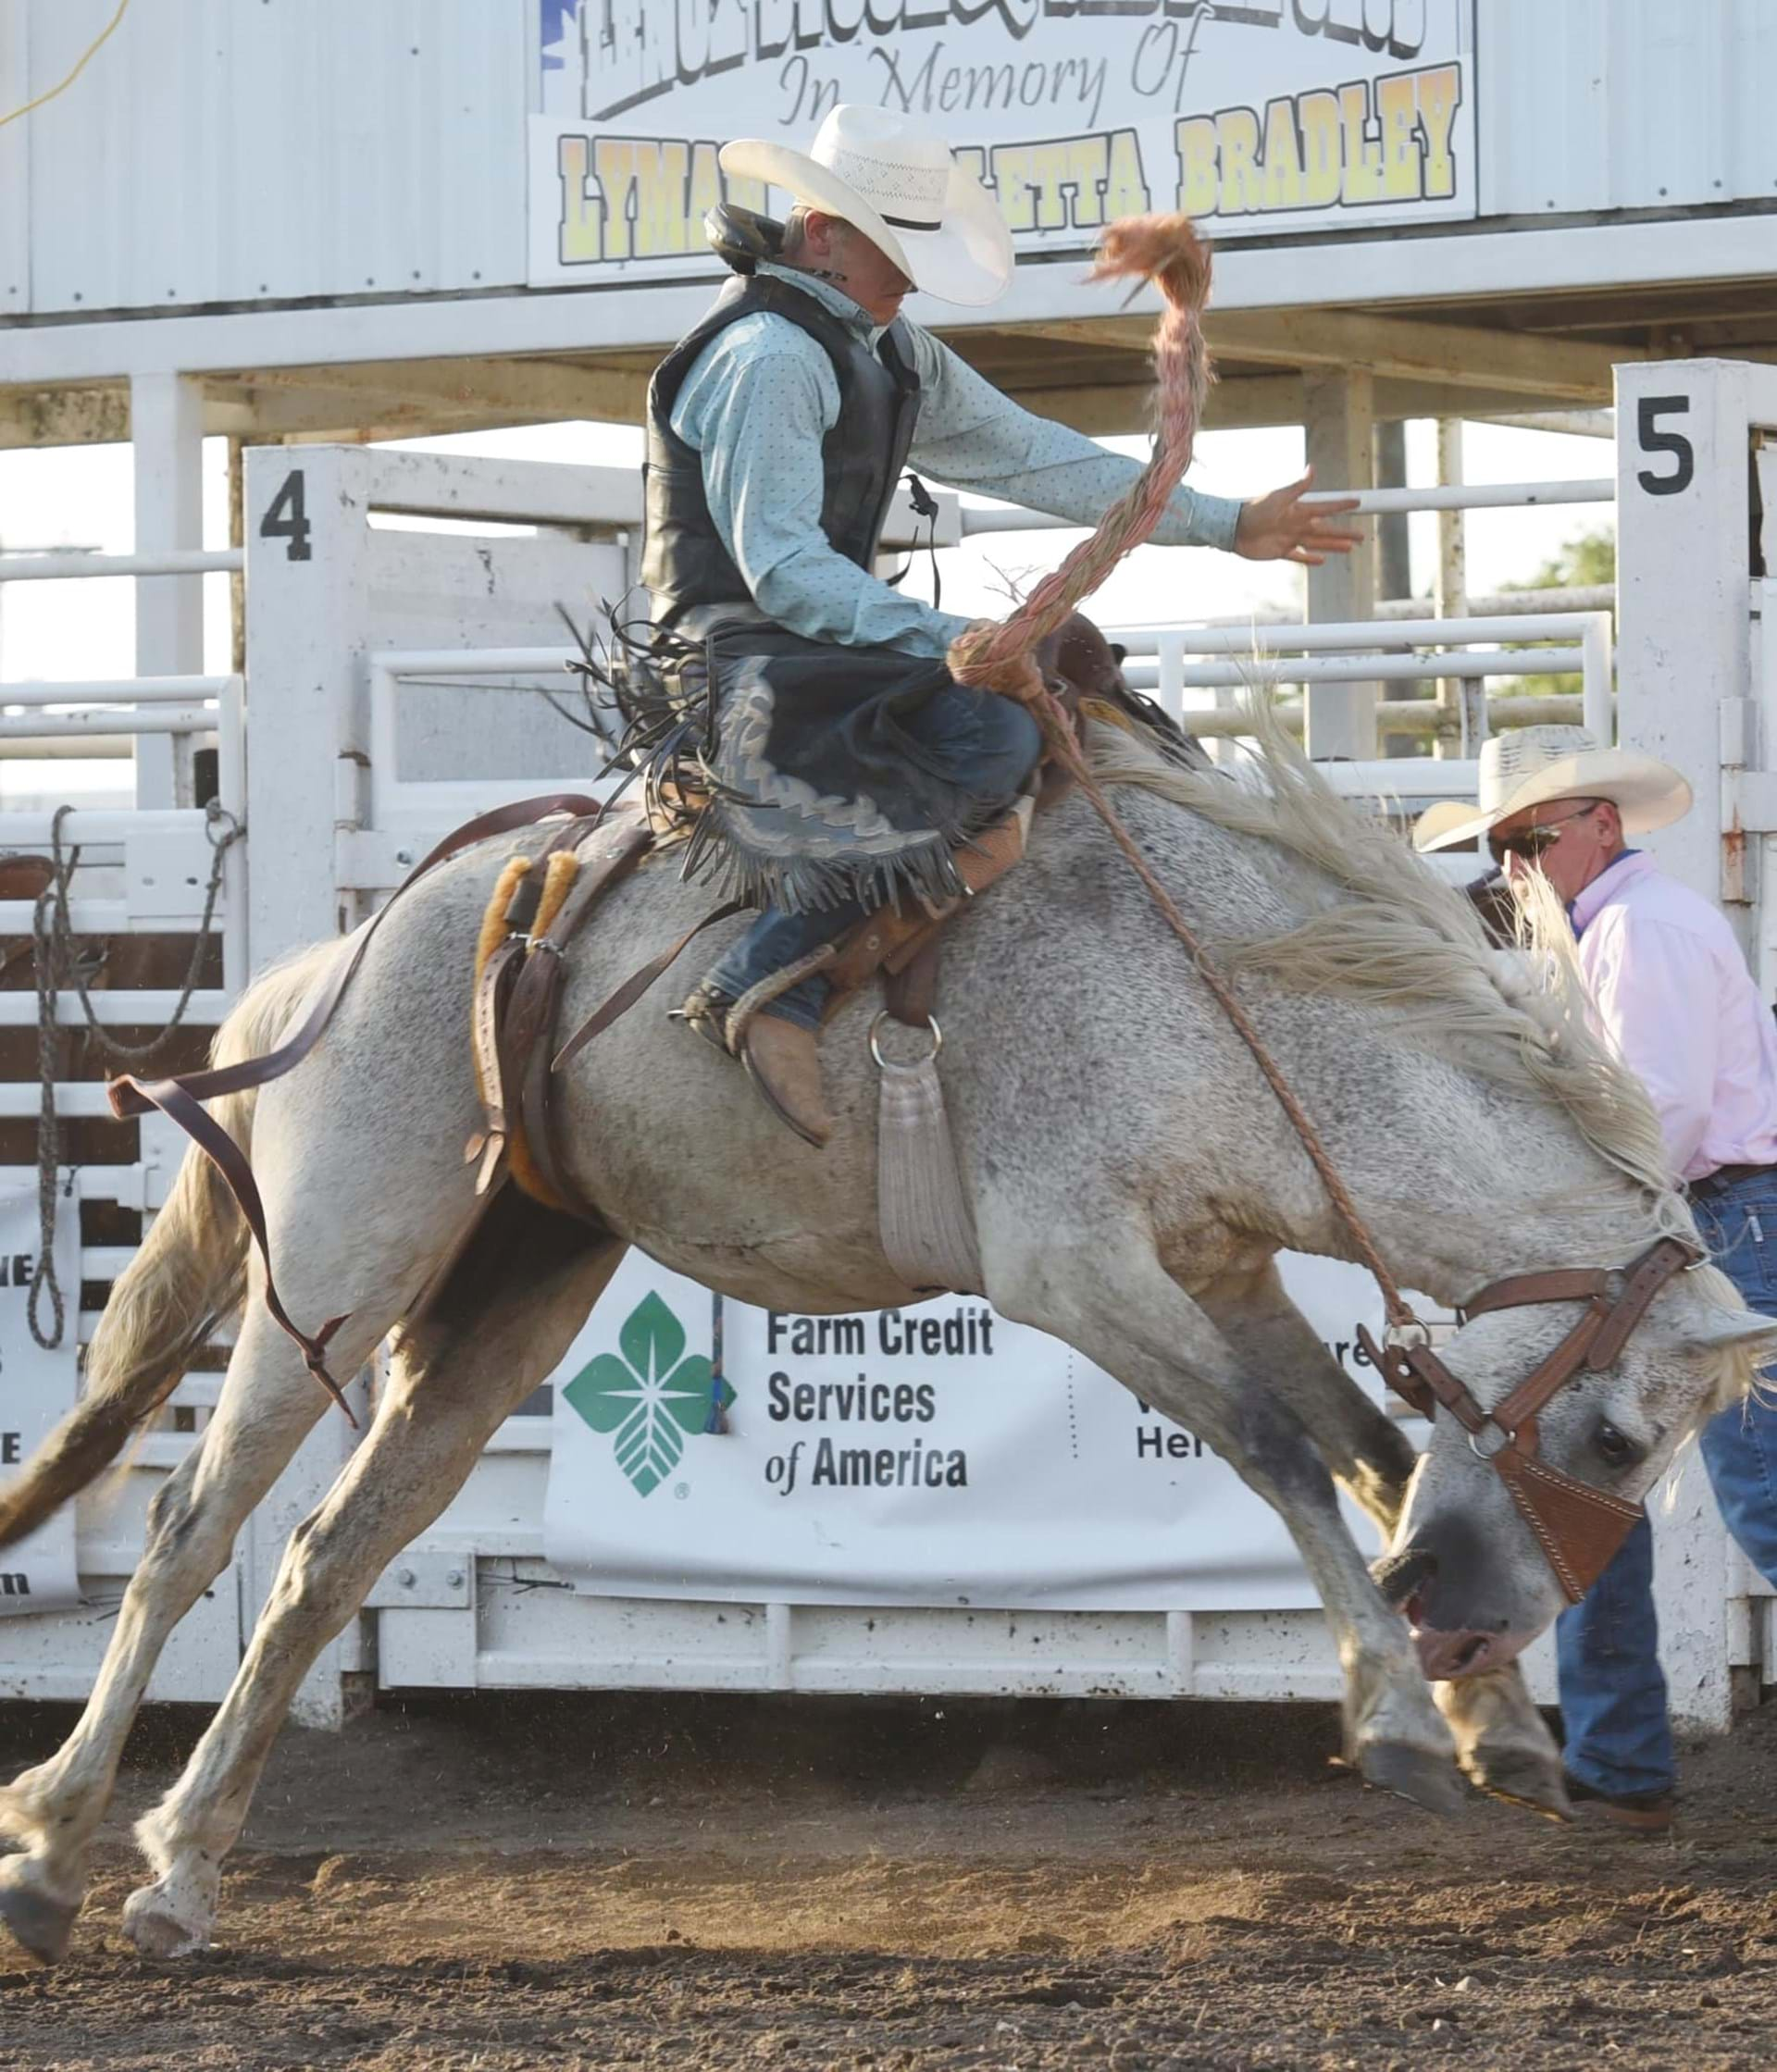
column 1282, row 528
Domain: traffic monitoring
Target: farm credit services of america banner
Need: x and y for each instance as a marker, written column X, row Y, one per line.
column 1264, row 117
column 932, row 1456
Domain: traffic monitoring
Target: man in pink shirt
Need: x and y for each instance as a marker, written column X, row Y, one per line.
column 1674, row 995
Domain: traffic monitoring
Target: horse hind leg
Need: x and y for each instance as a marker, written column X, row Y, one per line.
column 499, row 1327
column 267, row 1403
column 366, row 1266
column 1502, row 1741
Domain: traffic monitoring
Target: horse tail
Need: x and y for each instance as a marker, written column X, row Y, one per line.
column 188, row 1276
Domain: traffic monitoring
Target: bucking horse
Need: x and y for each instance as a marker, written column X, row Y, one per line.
column 1340, row 1065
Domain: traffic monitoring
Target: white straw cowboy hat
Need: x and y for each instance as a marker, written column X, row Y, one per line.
column 1535, row 765
column 901, row 187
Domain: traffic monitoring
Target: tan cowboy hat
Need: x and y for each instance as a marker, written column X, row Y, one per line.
column 1535, row 765
column 901, row 187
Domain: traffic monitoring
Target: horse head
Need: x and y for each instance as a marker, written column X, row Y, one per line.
column 1480, row 1567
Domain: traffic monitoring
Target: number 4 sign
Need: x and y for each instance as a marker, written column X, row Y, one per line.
column 287, row 519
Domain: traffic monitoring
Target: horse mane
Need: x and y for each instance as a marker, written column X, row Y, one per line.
column 1407, row 939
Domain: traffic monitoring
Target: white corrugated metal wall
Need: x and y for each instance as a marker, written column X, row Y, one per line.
column 217, row 151
column 1599, row 105
column 234, row 151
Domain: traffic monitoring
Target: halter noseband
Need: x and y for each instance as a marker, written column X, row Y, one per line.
column 1578, row 1528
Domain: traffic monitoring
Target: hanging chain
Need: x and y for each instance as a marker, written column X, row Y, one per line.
column 56, row 970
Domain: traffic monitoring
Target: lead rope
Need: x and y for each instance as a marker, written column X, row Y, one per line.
column 1002, row 657
column 57, row 969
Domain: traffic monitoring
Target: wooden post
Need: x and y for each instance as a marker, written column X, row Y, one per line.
column 1461, row 700
column 167, row 435
column 305, row 524
column 1340, row 419
column 1394, row 556
column 237, row 581
column 1683, row 570
column 1687, row 693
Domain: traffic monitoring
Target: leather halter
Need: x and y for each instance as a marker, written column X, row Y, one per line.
column 1578, row 1528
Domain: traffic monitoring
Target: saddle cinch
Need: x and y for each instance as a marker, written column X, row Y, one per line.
column 540, row 907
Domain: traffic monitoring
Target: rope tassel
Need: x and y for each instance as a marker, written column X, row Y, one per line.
column 1167, row 250
column 1002, row 657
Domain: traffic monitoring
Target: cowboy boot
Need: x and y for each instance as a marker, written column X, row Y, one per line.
column 783, row 1061
column 780, row 1057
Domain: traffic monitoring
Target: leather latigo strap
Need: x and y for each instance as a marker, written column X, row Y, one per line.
column 611, row 853
column 180, row 1099
column 893, row 938
column 1578, row 1528
column 130, row 1095
column 637, row 984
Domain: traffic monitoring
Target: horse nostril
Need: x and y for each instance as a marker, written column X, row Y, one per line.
column 1474, row 1654
column 1403, row 1575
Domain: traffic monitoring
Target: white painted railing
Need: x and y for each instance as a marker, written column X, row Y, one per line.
column 1170, row 660
column 1449, row 496
column 50, row 567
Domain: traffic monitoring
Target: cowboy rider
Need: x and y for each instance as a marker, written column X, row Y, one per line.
column 847, row 763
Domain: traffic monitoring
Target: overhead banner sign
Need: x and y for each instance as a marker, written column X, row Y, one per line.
column 1265, row 118
column 937, row 1455
column 36, row 1389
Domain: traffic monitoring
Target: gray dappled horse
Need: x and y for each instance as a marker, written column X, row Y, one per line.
column 1132, row 1178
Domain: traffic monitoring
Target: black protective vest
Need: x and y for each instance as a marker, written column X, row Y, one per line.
column 684, row 563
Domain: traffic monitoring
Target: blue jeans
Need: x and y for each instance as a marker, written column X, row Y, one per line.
column 991, row 746
column 1613, row 1695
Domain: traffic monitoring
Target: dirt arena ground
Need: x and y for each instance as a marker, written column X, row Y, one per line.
column 474, row 1885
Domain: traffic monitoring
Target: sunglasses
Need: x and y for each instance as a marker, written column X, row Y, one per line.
column 1530, row 842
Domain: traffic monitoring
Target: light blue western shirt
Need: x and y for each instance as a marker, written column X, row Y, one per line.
column 762, row 396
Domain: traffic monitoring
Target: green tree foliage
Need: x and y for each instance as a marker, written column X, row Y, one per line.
column 1584, row 562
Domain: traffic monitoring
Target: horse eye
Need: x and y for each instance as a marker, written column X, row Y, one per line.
column 1614, row 1446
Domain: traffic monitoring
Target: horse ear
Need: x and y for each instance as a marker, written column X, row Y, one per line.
column 1117, row 652
column 1758, row 1334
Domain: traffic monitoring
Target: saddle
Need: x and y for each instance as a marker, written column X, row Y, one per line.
column 528, row 927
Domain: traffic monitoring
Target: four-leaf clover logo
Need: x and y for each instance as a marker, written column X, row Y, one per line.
column 650, row 1397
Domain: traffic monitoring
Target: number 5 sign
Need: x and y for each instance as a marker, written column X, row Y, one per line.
column 1686, row 683
column 1652, row 439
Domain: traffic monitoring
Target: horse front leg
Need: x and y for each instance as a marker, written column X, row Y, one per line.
column 1119, row 1307
column 1502, row 1741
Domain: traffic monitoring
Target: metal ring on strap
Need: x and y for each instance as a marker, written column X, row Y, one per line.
column 886, row 1063
column 1498, row 1432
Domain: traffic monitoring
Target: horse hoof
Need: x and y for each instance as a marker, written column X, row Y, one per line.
column 156, row 1930
column 1429, row 1781
column 35, row 1921
column 1523, row 1777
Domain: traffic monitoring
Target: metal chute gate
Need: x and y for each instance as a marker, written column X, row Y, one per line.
column 400, row 615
